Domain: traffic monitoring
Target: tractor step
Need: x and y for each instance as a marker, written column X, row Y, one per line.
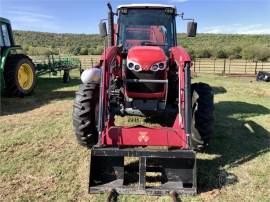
column 142, row 171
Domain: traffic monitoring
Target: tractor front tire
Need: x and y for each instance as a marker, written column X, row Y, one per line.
column 19, row 75
column 202, row 124
column 84, row 114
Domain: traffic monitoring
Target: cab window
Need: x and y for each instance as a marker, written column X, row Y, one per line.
column 5, row 37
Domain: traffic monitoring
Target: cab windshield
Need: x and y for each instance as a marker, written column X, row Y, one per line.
column 149, row 27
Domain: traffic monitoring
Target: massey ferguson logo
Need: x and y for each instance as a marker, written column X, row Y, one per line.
column 143, row 137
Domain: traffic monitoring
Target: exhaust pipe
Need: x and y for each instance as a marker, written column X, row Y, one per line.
column 110, row 26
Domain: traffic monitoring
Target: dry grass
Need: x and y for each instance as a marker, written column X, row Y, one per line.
column 41, row 161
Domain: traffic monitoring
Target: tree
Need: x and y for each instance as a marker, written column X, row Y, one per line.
column 220, row 54
column 262, row 54
column 203, row 53
column 256, row 53
column 248, row 53
column 235, row 53
column 84, row 51
column 192, row 53
column 76, row 51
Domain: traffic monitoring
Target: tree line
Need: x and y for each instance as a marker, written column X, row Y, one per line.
column 42, row 43
column 250, row 47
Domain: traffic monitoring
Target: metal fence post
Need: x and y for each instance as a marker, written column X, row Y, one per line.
column 230, row 65
column 224, row 67
column 246, row 67
column 194, row 64
column 256, row 65
column 215, row 65
column 199, row 65
column 49, row 65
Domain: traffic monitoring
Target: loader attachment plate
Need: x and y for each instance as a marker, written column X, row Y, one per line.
column 142, row 171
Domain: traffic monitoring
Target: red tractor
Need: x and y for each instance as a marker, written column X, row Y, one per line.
column 142, row 72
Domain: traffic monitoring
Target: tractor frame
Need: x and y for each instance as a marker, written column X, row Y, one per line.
column 176, row 164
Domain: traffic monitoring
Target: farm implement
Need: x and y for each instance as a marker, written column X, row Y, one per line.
column 53, row 64
column 142, row 72
column 18, row 72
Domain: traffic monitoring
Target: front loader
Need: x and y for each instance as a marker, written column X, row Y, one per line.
column 142, row 72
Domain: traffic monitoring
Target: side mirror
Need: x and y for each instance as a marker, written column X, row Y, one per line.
column 191, row 29
column 102, row 29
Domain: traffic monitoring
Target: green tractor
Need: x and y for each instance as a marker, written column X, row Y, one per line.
column 17, row 71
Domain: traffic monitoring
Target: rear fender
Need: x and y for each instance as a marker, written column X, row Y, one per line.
column 4, row 54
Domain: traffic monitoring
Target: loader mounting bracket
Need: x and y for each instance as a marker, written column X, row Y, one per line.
column 142, row 171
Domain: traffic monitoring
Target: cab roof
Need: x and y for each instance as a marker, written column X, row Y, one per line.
column 146, row 6
column 4, row 20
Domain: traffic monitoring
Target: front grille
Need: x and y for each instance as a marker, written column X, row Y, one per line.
column 145, row 87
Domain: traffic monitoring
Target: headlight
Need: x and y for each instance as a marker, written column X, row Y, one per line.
column 158, row 66
column 130, row 65
column 154, row 67
column 133, row 66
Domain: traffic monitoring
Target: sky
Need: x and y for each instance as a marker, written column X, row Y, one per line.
column 83, row 16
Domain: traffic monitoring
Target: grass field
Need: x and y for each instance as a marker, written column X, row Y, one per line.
column 41, row 161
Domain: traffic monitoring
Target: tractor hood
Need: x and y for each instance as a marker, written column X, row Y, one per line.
column 146, row 56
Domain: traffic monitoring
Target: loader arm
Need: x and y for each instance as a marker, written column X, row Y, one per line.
column 181, row 58
column 107, row 62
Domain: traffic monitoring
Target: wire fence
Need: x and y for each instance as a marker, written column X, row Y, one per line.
column 205, row 65
column 88, row 61
column 229, row 66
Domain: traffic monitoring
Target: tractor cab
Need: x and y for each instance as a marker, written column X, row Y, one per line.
column 146, row 33
column 141, row 25
column 145, row 37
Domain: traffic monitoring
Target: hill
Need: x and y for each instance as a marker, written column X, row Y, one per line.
column 36, row 43
column 204, row 45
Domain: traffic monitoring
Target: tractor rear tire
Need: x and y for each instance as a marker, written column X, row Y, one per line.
column 19, row 75
column 202, row 124
column 84, row 114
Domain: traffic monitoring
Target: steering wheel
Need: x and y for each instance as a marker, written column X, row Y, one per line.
column 145, row 43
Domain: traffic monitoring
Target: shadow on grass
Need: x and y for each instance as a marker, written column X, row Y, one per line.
column 236, row 141
column 219, row 89
column 47, row 90
column 167, row 119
